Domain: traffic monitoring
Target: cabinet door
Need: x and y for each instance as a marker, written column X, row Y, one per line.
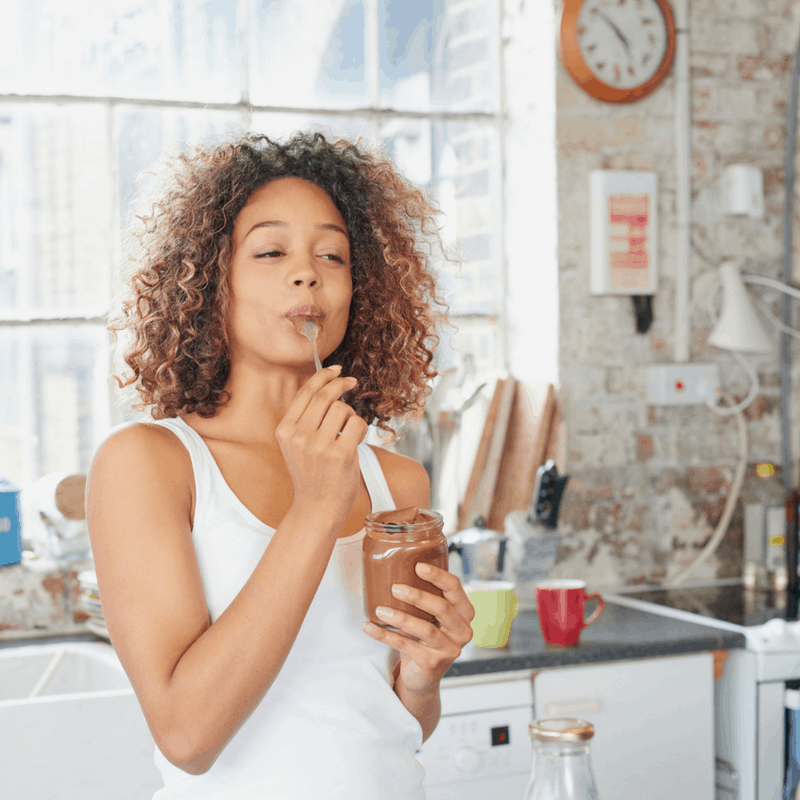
column 653, row 718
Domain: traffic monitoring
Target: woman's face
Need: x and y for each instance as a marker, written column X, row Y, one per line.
column 291, row 252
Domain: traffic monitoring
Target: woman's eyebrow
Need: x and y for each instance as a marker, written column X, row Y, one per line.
column 275, row 223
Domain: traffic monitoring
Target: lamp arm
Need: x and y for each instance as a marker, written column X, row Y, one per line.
column 779, row 285
column 751, row 395
column 774, row 320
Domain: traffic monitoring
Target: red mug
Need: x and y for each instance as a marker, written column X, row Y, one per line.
column 560, row 604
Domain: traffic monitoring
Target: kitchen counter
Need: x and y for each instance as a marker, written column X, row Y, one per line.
column 619, row 633
column 34, row 638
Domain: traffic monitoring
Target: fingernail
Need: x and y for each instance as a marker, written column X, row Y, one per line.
column 425, row 569
column 369, row 627
column 384, row 612
column 399, row 589
column 335, row 367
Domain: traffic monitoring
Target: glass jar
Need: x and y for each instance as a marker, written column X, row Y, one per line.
column 391, row 551
column 561, row 767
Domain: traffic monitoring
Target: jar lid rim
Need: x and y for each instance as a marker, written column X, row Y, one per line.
column 561, row 729
column 434, row 518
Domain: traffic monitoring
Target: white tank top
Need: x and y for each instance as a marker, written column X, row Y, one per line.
column 330, row 727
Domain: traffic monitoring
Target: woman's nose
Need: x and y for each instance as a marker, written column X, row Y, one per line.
column 303, row 272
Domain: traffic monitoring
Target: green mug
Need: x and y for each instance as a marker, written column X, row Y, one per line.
column 495, row 606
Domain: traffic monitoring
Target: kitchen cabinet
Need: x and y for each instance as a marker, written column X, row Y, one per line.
column 644, row 680
column 653, row 718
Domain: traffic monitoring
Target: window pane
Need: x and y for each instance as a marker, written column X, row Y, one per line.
column 144, row 134
column 185, row 50
column 437, row 55
column 281, row 126
column 476, row 343
column 307, row 53
column 55, row 408
column 457, row 162
column 55, row 201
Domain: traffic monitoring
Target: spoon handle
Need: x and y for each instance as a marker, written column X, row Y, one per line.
column 317, row 362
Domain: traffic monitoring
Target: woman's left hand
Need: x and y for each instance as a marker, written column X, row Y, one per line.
column 423, row 663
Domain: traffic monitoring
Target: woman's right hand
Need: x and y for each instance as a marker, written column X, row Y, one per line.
column 319, row 436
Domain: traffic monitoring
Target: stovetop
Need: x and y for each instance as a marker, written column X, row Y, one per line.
column 734, row 604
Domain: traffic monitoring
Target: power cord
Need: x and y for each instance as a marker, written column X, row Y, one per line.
column 711, row 402
column 730, row 504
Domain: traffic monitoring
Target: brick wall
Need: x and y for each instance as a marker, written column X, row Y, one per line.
column 649, row 483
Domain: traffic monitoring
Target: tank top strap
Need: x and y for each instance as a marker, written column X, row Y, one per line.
column 191, row 440
column 206, row 472
column 374, row 478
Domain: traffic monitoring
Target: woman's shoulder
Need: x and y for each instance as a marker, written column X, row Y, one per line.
column 136, row 442
column 141, row 460
column 408, row 480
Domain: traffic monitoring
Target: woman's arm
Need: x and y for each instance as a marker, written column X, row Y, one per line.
column 425, row 706
column 196, row 682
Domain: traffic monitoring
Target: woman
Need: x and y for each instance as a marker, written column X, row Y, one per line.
column 227, row 532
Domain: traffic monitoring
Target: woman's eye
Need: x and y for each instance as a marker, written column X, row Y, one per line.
column 333, row 257
column 269, row 254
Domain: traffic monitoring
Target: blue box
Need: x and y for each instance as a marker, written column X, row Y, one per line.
column 10, row 534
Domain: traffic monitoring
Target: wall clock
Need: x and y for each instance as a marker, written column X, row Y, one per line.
column 617, row 51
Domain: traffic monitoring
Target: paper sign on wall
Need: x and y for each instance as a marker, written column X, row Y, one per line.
column 624, row 226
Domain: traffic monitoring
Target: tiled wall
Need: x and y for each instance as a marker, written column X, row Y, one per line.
column 649, row 483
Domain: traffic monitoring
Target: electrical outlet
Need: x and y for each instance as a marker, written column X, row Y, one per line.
column 682, row 384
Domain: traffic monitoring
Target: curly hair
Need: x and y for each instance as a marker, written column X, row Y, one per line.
column 176, row 311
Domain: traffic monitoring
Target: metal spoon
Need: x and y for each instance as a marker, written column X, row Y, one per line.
column 310, row 330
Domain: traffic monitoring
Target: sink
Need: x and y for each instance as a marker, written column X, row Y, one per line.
column 70, row 725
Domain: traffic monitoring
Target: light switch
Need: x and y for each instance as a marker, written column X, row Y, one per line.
column 682, row 384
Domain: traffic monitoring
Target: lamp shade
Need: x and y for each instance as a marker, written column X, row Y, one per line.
column 738, row 326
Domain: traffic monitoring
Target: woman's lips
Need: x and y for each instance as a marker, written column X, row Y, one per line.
column 305, row 311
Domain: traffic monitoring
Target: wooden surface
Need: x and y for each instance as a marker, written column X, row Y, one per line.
column 485, row 469
column 554, row 446
column 519, row 434
column 529, row 442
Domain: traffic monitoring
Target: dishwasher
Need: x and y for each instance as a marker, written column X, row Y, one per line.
column 481, row 748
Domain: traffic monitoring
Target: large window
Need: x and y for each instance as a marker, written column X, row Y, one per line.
column 107, row 87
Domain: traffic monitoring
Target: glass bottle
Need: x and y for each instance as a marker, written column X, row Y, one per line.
column 561, row 767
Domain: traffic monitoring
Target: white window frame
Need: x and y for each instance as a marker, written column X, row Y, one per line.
column 107, row 408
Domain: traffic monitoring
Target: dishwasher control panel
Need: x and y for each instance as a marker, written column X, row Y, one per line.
column 474, row 740
column 480, row 745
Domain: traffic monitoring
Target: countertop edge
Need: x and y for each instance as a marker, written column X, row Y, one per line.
column 51, row 638
column 569, row 657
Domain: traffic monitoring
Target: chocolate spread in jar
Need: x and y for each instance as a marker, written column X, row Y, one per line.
column 394, row 543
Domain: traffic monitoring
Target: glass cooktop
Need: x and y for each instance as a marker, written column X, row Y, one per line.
column 734, row 604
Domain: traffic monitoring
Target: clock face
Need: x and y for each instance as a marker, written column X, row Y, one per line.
column 623, row 42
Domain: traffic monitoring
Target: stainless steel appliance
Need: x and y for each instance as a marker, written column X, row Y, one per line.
column 482, row 552
column 751, row 695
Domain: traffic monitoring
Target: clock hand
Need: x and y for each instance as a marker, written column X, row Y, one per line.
column 619, row 33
